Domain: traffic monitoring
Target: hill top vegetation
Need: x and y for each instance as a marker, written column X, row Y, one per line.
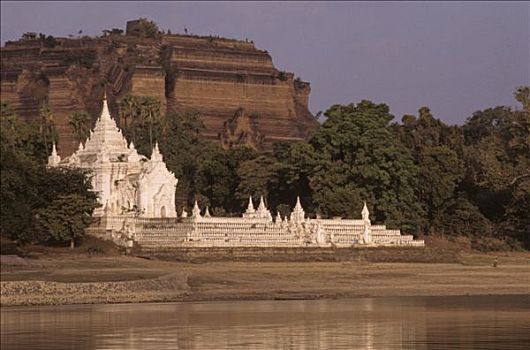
column 421, row 175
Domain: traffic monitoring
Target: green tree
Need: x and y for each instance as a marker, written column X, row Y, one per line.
column 217, row 176
column 441, row 171
column 295, row 162
column 437, row 150
column 81, row 122
column 141, row 121
column 28, row 186
column 464, row 218
column 497, row 148
column 182, row 147
column 66, row 217
column 360, row 160
column 255, row 177
column 151, row 115
column 47, row 126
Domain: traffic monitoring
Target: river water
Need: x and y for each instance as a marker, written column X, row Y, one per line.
column 475, row 322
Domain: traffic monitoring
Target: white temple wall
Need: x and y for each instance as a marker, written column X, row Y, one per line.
column 242, row 232
column 156, row 199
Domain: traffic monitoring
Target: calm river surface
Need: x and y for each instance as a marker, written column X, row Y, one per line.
column 476, row 322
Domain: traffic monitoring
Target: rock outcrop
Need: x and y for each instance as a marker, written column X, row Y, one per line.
column 239, row 94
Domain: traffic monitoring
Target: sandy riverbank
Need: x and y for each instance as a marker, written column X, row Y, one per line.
column 73, row 279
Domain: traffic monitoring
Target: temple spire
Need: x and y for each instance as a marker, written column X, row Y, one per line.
column 367, row 232
column 105, row 114
column 156, row 155
column 196, row 211
column 54, row 159
column 207, row 213
column 250, row 208
column 298, row 214
column 365, row 213
column 261, row 204
column 298, row 206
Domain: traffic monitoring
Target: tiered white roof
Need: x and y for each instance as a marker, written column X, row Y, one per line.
column 196, row 212
column 261, row 213
column 121, row 176
column 106, row 137
column 298, row 214
column 250, row 207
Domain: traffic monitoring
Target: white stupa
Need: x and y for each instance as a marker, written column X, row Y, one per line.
column 124, row 180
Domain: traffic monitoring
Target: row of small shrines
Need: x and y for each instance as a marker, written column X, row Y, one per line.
column 256, row 228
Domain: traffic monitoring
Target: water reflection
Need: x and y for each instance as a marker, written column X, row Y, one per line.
column 382, row 323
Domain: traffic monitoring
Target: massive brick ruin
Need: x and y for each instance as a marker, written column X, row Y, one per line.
column 239, row 94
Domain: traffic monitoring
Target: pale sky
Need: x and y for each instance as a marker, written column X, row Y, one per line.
column 454, row 57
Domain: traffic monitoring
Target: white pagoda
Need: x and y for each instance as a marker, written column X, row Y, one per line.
column 124, row 180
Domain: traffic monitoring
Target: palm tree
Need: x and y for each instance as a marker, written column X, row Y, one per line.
column 81, row 122
column 129, row 110
column 151, row 114
column 47, row 127
column 138, row 112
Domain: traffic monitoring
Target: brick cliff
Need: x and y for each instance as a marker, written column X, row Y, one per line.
column 239, row 94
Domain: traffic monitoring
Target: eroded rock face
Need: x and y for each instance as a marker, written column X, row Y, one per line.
column 239, row 94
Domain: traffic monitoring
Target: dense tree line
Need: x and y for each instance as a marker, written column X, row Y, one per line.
column 39, row 204
column 420, row 175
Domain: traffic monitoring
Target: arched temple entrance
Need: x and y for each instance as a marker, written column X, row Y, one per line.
column 163, row 212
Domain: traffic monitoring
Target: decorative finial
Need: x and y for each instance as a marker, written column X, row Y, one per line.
column 298, row 214
column 207, row 213
column 105, row 113
column 54, row 150
column 261, row 203
column 156, row 155
column 365, row 213
column 298, row 205
column 250, row 208
column 196, row 212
